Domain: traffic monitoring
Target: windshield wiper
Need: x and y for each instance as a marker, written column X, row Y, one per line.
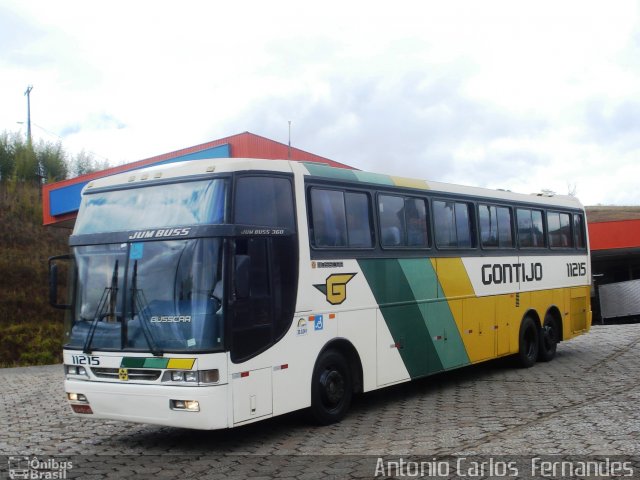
column 108, row 300
column 138, row 300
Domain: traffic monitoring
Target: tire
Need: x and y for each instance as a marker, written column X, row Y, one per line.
column 528, row 346
column 549, row 338
column 331, row 388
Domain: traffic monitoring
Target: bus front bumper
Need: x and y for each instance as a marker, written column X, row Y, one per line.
column 154, row 404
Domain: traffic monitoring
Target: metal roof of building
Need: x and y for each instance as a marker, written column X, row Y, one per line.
column 61, row 200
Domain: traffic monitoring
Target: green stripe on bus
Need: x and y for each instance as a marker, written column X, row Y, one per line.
column 376, row 178
column 402, row 315
column 435, row 312
column 144, row 362
column 132, row 362
column 156, row 362
column 330, row 172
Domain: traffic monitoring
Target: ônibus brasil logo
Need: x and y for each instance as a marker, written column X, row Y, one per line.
column 38, row 468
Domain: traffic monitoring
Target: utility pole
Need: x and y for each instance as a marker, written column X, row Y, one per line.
column 289, row 153
column 39, row 168
column 28, row 94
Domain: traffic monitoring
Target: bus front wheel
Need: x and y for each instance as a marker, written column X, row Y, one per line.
column 528, row 344
column 331, row 388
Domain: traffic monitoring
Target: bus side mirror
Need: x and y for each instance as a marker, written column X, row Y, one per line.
column 53, row 282
column 242, row 263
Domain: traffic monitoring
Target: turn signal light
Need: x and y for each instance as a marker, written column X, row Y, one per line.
column 80, row 403
column 209, row 376
column 85, row 409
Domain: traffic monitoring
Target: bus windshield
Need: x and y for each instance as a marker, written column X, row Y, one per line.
column 168, row 205
column 154, row 296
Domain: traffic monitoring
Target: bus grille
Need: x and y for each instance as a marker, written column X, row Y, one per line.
column 134, row 374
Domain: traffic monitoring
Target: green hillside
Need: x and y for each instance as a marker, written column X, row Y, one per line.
column 30, row 330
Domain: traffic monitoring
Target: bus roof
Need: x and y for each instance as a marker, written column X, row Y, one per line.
column 195, row 168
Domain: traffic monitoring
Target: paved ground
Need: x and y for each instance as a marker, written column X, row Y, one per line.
column 585, row 402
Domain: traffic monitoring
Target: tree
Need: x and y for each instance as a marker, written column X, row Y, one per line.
column 26, row 163
column 7, row 159
column 84, row 162
column 51, row 158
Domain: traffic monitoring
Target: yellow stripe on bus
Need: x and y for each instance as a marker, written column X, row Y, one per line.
column 474, row 316
column 181, row 363
column 410, row 183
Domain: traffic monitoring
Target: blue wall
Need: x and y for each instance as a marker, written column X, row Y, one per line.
column 67, row 199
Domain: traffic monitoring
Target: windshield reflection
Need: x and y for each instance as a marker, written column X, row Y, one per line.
column 152, row 296
column 188, row 203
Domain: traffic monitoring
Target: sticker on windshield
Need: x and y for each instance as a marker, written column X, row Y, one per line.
column 136, row 251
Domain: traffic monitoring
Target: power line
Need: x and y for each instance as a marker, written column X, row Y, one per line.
column 60, row 139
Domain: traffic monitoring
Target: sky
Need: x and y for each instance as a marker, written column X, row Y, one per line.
column 519, row 95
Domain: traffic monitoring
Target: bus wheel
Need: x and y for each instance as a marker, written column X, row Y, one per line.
column 331, row 388
column 549, row 337
column 528, row 344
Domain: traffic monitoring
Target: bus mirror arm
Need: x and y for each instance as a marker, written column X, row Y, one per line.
column 53, row 282
column 242, row 263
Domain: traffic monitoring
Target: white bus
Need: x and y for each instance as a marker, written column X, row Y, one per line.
column 214, row 293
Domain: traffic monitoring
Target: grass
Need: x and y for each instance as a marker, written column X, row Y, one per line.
column 31, row 332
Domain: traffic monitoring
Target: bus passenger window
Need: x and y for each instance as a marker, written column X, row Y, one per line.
column 452, row 224
column 537, row 229
column 463, row 225
column 264, row 201
column 403, row 221
column 391, row 220
column 415, row 210
column 358, row 219
column 505, row 229
column 559, row 230
column 495, row 226
column 488, row 220
column 530, row 228
column 340, row 219
column 329, row 218
column 444, row 224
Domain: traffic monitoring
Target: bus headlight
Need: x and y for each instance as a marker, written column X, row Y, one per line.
column 75, row 370
column 182, row 376
column 191, row 376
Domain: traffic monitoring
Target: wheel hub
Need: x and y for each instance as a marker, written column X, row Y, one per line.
column 549, row 336
column 332, row 383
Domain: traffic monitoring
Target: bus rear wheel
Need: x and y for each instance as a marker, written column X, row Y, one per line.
column 331, row 388
column 528, row 344
column 549, row 337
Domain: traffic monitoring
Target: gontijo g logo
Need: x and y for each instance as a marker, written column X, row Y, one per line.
column 335, row 288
